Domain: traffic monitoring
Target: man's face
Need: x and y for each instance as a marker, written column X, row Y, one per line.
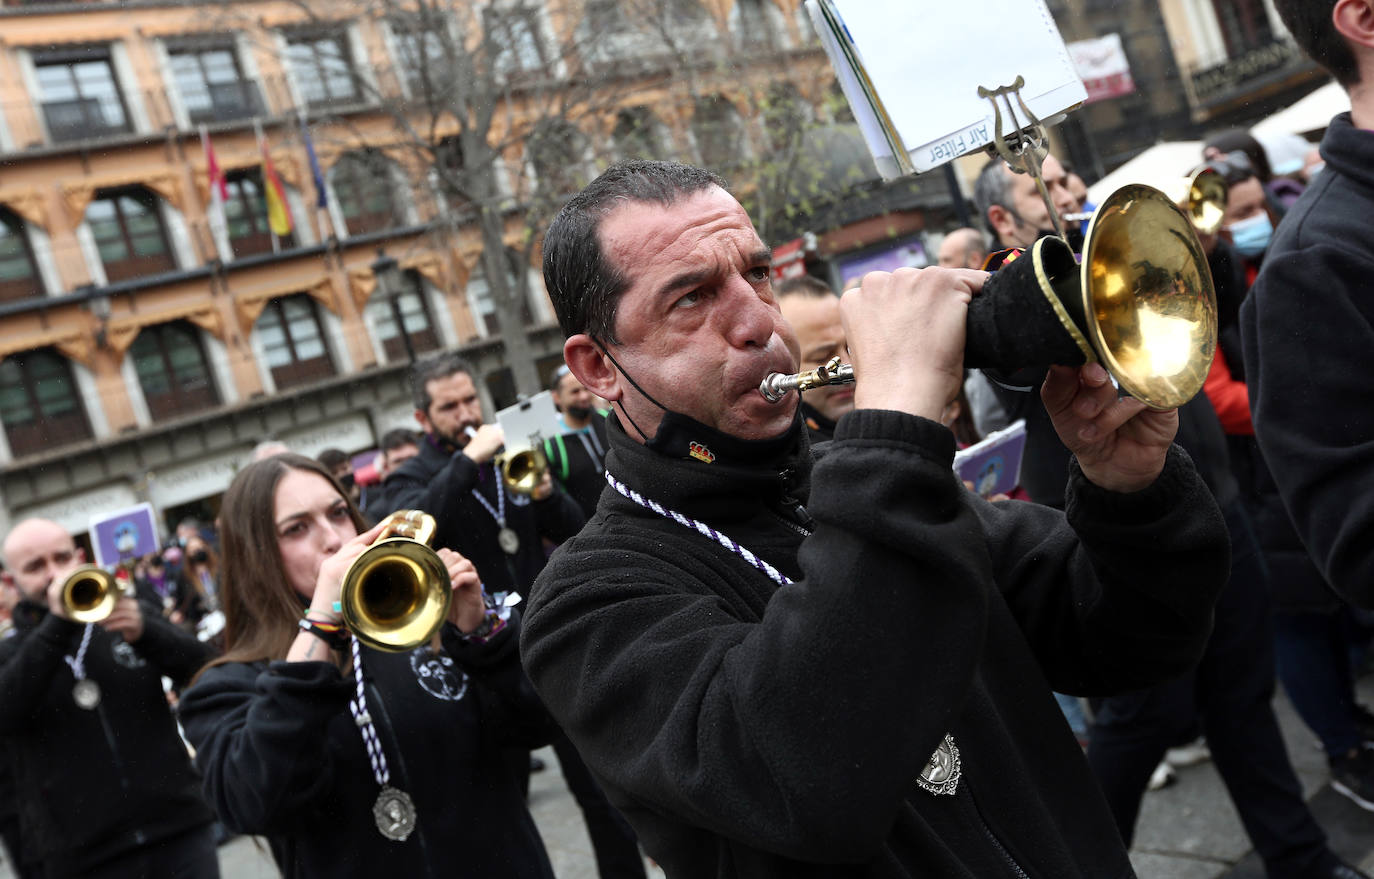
column 453, row 407
column 1244, row 200
column 1021, row 226
column 34, row 552
column 820, row 334
column 398, row 456
column 572, row 398
column 698, row 324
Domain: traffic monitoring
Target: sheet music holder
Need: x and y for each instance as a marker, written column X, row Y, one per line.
column 911, row 71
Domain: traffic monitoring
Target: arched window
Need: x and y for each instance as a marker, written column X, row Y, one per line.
column 719, row 136
column 19, row 278
column 40, row 404
column 293, row 341
column 419, row 328
column 128, row 231
column 172, row 369
column 365, row 184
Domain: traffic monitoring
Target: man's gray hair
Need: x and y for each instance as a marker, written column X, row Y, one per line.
column 993, row 187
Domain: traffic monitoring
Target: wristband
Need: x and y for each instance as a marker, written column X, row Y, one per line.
column 491, row 624
column 334, row 636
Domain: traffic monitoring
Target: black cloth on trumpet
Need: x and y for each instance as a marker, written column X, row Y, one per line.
column 282, row 757
column 96, row 785
column 752, row 730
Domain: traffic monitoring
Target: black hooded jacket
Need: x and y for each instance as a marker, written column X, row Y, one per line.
column 442, row 484
column 748, row 729
column 1308, row 340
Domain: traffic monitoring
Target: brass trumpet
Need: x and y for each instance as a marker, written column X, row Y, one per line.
column 1142, row 303
column 521, row 469
column 89, row 593
column 395, row 595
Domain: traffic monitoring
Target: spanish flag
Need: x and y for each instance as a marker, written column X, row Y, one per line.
column 278, row 213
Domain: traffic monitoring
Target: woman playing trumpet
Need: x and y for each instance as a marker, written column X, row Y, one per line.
column 353, row 761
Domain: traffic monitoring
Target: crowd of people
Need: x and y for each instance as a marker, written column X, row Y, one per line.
column 763, row 639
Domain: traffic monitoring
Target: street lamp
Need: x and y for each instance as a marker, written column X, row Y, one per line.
column 388, row 274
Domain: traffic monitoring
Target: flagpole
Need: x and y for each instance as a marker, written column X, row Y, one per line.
column 322, row 218
column 219, row 232
column 262, row 152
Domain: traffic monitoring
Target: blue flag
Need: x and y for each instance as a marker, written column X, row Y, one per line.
column 321, row 198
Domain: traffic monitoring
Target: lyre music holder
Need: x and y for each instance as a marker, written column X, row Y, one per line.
column 1025, row 147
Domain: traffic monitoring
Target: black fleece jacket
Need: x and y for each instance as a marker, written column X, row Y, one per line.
column 94, row 785
column 747, row 730
column 1308, row 339
column 442, row 484
column 283, row 757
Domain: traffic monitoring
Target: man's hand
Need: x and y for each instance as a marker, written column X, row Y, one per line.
column 1120, row 443
column 545, row 487
column 905, row 331
column 126, row 620
column 467, row 610
column 485, row 443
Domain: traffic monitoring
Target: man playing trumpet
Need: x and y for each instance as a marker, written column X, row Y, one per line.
column 104, row 784
column 787, row 667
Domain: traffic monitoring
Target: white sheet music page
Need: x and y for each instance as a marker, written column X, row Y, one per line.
column 926, row 60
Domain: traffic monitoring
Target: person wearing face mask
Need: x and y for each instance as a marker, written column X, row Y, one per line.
column 575, row 457
column 1248, row 223
column 353, row 761
column 793, row 663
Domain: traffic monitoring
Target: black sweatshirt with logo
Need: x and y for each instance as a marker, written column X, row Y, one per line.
column 748, row 729
column 283, row 757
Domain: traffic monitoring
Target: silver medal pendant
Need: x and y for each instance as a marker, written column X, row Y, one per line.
column 86, row 694
column 395, row 813
column 508, row 540
column 942, row 772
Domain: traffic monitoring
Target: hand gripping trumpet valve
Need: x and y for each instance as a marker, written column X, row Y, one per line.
column 89, row 593
column 395, row 595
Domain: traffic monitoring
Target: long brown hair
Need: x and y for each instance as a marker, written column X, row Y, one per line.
column 262, row 611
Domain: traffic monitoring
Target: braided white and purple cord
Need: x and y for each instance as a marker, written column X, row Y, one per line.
column 78, row 664
column 701, row 528
column 358, row 705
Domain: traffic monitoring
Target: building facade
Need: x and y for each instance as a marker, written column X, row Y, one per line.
column 153, row 325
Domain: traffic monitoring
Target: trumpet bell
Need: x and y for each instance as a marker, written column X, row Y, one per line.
column 523, row 470
column 1203, row 197
column 89, row 594
column 1148, row 296
column 396, row 595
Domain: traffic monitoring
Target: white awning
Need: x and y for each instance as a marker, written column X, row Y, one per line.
column 1158, row 166
column 1307, row 115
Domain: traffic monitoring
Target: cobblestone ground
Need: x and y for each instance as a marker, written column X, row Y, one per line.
column 1187, row 831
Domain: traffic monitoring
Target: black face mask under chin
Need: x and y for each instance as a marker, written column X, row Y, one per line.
column 580, row 413
column 682, row 436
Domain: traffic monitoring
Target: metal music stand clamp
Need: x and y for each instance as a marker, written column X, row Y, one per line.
column 1023, row 149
